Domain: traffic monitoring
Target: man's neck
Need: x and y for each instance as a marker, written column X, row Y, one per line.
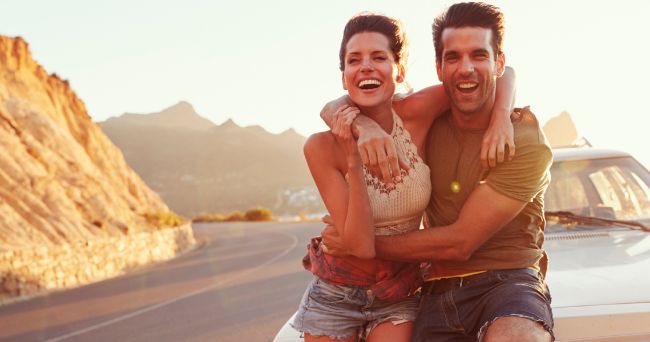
column 479, row 119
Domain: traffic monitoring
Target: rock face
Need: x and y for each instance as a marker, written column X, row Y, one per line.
column 199, row 167
column 560, row 130
column 61, row 179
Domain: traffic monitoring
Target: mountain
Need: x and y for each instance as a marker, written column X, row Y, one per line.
column 207, row 168
column 61, row 178
column 180, row 115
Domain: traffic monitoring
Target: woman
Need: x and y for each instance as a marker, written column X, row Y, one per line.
column 359, row 296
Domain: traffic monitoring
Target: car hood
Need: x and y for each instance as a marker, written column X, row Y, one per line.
column 598, row 267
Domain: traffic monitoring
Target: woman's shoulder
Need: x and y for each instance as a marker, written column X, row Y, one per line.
column 321, row 146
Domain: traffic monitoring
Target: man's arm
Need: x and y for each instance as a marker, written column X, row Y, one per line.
column 376, row 147
column 484, row 213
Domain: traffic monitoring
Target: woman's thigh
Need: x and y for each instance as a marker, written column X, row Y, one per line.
column 390, row 332
column 309, row 338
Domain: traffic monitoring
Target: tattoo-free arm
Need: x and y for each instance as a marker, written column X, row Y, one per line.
column 376, row 147
column 500, row 133
column 347, row 202
column 484, row 213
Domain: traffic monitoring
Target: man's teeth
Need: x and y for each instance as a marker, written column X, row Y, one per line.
column 467, row 85
column 368, row 83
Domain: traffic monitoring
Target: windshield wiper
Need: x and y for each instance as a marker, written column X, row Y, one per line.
column 571, row 217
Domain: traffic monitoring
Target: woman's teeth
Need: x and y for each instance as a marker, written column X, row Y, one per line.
column 369, row 84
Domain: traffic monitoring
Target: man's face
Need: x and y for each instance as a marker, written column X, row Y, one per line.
column 468, row 69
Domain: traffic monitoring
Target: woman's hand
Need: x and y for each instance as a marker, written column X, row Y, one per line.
column 499, row 134
column 342, row 130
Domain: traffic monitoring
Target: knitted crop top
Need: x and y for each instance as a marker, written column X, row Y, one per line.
column 400, row 209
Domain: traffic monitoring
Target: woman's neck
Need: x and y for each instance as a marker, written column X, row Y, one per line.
column 381, row 114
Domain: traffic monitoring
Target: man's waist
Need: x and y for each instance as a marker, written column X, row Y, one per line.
column 444, row 284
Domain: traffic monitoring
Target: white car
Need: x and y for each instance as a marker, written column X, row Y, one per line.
column 598, row 242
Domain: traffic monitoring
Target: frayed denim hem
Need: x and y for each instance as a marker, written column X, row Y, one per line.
column 481, row 332
column 320, row 333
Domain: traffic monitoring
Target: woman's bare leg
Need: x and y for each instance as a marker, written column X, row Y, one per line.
column 309, row 338
column 389, row 332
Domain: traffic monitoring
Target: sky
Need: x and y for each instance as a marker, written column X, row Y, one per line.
column 275, row 63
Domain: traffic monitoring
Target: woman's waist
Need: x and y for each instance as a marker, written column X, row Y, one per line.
column 400, row 226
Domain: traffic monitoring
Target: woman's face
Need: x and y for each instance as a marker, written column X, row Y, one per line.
column 370, row 71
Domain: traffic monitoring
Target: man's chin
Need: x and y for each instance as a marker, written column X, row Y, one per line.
column 468, row 108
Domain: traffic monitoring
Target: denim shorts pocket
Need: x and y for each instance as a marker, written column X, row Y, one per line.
column 327, row 293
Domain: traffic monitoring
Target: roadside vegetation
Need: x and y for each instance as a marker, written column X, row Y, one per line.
column 256, row 214
column 163, row 219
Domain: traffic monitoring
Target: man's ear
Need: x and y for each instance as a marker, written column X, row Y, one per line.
column 345, row 86
column 501, row 64
column 401, row 73
column 439, row 70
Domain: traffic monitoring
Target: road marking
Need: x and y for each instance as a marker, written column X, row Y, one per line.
column 294, row 243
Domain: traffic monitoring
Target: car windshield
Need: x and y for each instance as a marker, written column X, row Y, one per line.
column 608, row 188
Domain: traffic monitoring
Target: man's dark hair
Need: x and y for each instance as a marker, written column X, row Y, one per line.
column 369, row 22
column 470, row 14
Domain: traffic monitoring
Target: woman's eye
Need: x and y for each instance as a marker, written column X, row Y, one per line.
column 352, row 60
column 380, row 58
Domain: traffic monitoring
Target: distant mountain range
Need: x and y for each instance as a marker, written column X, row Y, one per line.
column 199, row 167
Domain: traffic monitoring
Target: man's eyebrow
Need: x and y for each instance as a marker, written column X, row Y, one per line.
column 481, row 50
column 450, row 52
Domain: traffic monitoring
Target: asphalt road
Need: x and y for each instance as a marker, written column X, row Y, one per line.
column 241, row 284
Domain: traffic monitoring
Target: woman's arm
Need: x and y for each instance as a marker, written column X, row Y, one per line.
column 500, row 133
column 347, row 202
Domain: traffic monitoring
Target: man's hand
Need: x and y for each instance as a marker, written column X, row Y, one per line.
column 332, row 241
column 378, row 152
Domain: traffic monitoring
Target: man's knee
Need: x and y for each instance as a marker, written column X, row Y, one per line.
column 518, row 329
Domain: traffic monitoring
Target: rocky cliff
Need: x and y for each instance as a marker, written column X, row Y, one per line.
column 61, row 179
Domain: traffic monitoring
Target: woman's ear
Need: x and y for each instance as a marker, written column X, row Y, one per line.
column 345, row 86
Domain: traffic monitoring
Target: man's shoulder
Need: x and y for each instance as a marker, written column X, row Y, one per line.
column 527, row 129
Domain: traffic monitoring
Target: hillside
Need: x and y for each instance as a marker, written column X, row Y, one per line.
column 61, row 179
column 199, row 167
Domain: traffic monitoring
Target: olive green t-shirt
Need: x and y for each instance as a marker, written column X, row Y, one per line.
column 454, row 157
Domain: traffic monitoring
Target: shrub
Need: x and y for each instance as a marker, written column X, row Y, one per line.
column 209, row 218
column 164, row 219
column 256, row 214
column 236, row 216
column 259, row 214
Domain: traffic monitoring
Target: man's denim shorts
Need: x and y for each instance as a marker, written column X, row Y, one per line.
column 341, row 311
column 462, row 310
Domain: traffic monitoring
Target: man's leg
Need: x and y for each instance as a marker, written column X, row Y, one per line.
column 516, row 308
column 438, row 320
column 518, row 329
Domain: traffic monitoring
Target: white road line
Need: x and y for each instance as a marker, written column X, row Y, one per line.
column 294, row 243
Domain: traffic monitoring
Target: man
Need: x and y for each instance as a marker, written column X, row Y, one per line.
column 485, row 227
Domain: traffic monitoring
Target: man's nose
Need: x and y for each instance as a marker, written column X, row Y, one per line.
column 466, row 66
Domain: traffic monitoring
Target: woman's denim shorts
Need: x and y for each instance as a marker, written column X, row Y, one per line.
column 341, row 311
